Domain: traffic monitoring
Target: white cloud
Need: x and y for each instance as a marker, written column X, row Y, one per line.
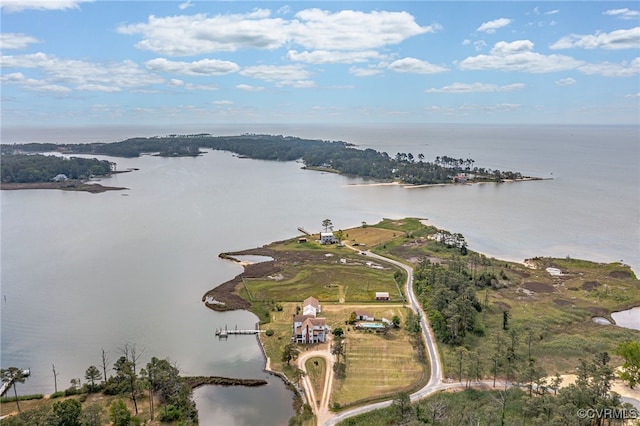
column 476, row 88
column 222, row 102
column 623, row 13
column 197, row 34
column 565, row 81
column 16, row 41
column 633, row 95
column 82, row 74
column 249, row 88
column 615, row 40
column 353, row 30
column 185, row 5
column 416, row 66
column 282, row 75
column 491, row 26
column 332, row 57
column 518, row 56
column 10, row 6
column 203, row 67
column 552, row 12
column 92, row 87
column 32, row 84
column 313, row 29
column 607, row 69
column 174, row 82
column 478, row 44
column 365, row 72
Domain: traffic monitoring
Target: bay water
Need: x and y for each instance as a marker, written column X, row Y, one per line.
column 84, row 272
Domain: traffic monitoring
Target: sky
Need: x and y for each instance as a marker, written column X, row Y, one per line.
column 75, row 63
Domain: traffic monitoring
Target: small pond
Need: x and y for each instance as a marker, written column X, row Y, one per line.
column 628, row 319
column 601, row 320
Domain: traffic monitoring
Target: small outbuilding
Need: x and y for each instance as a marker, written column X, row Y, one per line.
column 364, row 316
column 382, row 295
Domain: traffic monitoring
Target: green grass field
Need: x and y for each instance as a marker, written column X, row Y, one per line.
column 334, row 282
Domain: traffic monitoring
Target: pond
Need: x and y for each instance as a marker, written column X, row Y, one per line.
column 629, row 318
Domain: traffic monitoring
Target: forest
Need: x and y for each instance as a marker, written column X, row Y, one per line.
column 107, row 396
column 335, row 156
column 23, row 168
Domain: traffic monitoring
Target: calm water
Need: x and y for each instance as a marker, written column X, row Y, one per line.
column 82, row 272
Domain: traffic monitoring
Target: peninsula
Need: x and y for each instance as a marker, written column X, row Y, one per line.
column 331, row 156
column 390, row 292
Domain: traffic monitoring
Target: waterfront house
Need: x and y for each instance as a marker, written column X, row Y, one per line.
column 327, row 238
column 309, row 329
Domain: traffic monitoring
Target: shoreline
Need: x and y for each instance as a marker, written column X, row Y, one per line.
column 80, row 186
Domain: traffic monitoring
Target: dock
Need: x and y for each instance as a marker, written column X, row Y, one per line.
column 6, row 385
column 224, row 332
column 304, row 231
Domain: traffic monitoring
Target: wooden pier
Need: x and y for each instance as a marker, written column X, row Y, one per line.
column 224, row 332
column 304, row 231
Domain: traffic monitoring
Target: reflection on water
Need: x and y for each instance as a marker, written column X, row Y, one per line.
column 219, row 405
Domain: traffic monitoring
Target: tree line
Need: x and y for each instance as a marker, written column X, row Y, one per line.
column 337, row 156
column 158, row 381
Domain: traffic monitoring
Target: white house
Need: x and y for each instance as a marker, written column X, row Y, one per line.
column 327, row 238
column 311, row 306
column 60, row 178
column 308, row 329
column 364, row 316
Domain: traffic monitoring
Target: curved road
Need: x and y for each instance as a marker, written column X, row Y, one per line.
column 435, row 381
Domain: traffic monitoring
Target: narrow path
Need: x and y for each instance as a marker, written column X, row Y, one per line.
column 435, row 380
column 319, row 406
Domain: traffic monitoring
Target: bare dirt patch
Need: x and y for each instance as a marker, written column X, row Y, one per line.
column 538, row 287
column 590, row 285
column 620, row 274
column 562, row 302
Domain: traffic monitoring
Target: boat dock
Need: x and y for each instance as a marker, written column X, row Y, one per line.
column 304, row 231
column 224, row 332
column 6, row 385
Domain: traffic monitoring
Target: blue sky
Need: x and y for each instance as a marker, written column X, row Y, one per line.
column 74, row 63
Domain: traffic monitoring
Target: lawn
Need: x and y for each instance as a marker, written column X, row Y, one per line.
column 378, row 365
column 334, row 281
column 316, row 370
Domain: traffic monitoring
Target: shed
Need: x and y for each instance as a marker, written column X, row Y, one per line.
column 382, row 295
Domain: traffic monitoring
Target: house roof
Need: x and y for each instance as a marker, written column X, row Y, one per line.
column 311, row 301
column 382, row 294
column 316, row 325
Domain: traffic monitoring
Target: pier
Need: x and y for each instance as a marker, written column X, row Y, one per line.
column 304, row 231
column 6, row 385
column 224, row 332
